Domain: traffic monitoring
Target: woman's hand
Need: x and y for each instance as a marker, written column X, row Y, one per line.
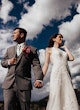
column 70, row 56
column 64, row 47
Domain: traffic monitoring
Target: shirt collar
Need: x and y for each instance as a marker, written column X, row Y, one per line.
column 22, row 44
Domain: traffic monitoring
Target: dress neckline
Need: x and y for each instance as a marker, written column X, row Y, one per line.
column 61, row 49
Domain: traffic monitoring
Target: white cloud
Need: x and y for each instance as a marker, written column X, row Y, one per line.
column 78, row 9
column 6, row 7
column 42, row 12
column 21, row 1
column 71, row 31
column 26, row 5
column 5, row 40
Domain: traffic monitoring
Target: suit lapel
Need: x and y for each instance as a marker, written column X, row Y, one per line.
column 15, row 51
column 21, row 55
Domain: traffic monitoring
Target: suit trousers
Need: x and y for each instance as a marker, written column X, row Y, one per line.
column 15, row 99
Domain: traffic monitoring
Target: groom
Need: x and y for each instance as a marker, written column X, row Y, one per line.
column 17, row 84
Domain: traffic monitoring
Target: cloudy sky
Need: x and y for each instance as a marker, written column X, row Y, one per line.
column 41, row 18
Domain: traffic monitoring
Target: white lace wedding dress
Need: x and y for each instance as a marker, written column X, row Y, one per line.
column 62, row 95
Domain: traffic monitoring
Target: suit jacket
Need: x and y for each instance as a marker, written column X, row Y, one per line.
column 21, row 71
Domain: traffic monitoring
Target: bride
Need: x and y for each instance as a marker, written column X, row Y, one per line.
column 62, row 95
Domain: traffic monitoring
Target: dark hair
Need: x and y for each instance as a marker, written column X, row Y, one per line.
column 21, row 30
column 51, row 42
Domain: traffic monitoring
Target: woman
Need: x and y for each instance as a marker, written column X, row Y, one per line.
column 62, row 95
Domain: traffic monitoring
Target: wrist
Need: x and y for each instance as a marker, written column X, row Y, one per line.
column 65, row 48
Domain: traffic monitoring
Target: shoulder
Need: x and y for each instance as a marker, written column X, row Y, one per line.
column 48, row 50
column 11, row 47
column 33, row 49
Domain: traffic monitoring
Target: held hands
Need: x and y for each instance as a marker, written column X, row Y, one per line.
column 38, row 84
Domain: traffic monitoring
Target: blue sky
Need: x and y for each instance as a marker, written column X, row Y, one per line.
column 41, row 18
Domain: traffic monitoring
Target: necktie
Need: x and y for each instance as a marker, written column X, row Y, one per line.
column 18, row 50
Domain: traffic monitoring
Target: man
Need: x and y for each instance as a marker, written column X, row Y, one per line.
column 17, row 84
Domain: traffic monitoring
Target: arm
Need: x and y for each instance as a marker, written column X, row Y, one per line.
column 37, row 67
column 47, row 60
column 4, row 61
column 37, row 71
column 70, row 56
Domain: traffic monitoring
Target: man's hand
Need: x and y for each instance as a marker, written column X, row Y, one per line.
column 12, row 61
column 38, row 84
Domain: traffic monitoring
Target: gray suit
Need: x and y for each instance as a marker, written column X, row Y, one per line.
column 19, row 75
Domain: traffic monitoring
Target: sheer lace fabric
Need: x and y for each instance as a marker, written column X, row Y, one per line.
column 62, row 95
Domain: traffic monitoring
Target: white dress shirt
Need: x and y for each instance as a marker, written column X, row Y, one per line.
column 19, row 48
